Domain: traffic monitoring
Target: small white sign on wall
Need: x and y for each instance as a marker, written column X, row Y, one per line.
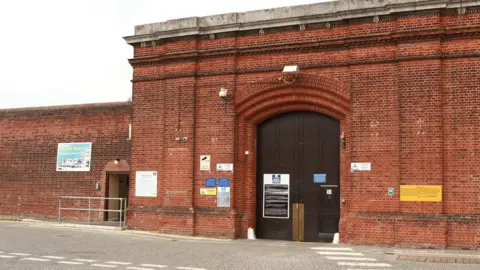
column 361, row 166
column 225, row 167
column 205, row 163
column 146, row 184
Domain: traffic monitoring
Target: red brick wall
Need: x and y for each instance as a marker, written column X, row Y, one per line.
column 405, row 89
column 29, row 183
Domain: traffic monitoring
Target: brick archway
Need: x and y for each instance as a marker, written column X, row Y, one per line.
column 267, row 98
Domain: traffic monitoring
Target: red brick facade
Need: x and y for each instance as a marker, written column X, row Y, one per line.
column 405, row 88
column 30, row 186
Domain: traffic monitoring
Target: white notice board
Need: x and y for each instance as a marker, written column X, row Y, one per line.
column 146, row 184
column 360, row 166
column 205, row 163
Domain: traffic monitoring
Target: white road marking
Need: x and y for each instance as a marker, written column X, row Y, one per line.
column 69, row 262
column 139, row 268
column 54, row 257
column 350, row 258
column 366, row 268
column 340, row 253
column 331, row 248
column 119, row 263
column 362, row 269
column 84, row 260
column 364, row 264
column 6, row 256
column 104, row 265
column 190, row 268
column 35, row 259
column 154, row 265
column 20, row 254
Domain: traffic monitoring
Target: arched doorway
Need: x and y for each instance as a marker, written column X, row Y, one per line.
column 298, row 167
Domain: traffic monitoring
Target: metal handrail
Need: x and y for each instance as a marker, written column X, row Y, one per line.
column 122, row 211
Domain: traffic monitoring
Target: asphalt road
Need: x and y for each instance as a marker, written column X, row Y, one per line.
column 26, row 246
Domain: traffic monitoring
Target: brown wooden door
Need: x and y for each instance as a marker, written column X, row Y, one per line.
column 299, row 144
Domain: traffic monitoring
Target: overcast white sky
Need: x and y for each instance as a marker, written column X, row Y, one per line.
column 57, row 52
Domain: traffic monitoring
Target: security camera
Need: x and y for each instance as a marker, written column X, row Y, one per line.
column 291, row 69
column 222, row 93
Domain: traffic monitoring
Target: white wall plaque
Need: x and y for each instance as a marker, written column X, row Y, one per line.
column 146, row 184
column 225, row 167
column 205, row 163
column 361, row 166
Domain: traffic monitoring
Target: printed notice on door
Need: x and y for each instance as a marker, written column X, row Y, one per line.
column 276, row 196
column 146, row 184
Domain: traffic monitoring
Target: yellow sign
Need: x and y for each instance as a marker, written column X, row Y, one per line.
column 208, row 191
column 421, row 193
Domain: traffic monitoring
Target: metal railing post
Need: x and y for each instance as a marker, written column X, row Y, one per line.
column 120, row 219
column 125, row 213
column 89, row 209
column 59, row 210
column 123, row 204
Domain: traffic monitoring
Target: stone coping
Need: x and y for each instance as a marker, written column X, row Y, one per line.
column 286, row 16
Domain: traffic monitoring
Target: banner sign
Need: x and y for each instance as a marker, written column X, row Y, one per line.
column 276, row 196
column 74, row 157
column 421, row 193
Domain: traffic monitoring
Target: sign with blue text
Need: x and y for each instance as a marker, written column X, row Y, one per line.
column 74, row 157
column 224, row 182
column 211, row 182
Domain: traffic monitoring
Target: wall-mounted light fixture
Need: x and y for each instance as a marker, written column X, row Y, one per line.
column 342, row 140
column 223, row 94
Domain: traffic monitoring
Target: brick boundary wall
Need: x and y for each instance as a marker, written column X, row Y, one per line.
column 30, row 186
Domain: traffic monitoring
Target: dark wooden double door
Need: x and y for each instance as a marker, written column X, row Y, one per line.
column 304, row 146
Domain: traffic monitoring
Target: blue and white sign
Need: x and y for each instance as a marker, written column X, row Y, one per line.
column 223, row 197
column 276, row 178
column 319, row 178
column 210, row 182
column 74, row 157
column 224, row 182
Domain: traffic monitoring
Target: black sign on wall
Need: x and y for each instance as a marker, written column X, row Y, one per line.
column 276, row 197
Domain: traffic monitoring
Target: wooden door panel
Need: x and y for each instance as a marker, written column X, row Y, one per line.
column 300, row 144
